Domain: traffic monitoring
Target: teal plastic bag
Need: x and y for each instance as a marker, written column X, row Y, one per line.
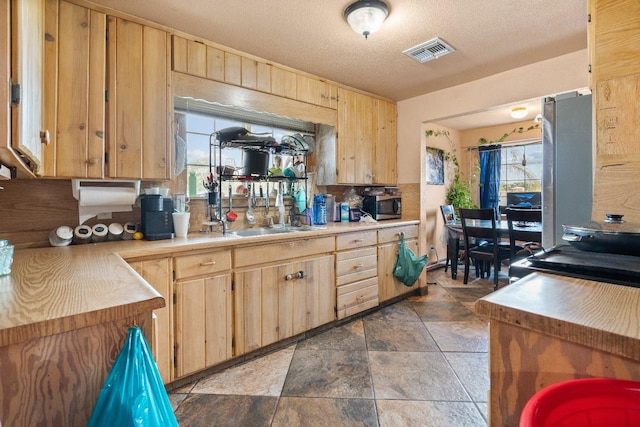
column 133, row 393
column 408, row 266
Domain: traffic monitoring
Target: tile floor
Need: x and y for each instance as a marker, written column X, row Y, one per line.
column 419, row 362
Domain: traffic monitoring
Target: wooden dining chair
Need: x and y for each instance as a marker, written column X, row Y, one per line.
column 479, row 225
column 523, row 241
column 453, row 242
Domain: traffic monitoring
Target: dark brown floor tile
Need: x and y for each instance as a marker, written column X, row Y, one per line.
column 414, row 376
column 469, row 294
column 473, row 371
column 443, row 311
column 400, row 311
column 208, row 410
column 298, row 411
column 346, row 337
column 394, row 413
column 460, row 336
column 329, row 373
column 384, row 335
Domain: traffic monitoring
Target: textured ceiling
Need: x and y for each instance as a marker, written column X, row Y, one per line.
column 490, row 36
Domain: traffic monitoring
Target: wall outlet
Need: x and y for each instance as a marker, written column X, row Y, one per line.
column 104, row 215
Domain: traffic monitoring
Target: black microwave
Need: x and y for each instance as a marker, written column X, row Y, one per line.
column 383, row 207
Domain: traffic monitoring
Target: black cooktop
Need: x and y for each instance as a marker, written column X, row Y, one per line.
column 569, row 261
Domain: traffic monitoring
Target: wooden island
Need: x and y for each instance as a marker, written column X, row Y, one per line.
column 65, row 313
column 544, row 329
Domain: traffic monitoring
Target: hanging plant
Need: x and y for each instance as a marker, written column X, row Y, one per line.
column 521, row 129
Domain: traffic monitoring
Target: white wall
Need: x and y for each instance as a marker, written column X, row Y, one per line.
column 553, row 76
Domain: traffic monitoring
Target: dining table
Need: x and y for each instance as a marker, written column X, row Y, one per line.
column 455, row 231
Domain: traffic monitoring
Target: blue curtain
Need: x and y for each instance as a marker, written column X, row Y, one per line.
column 490, row 177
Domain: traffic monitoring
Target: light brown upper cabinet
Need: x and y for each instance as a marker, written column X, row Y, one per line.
column 355, row 144
column 251, row 73
column 385, row 143
column 138, row 114
column 614, row 39
column 75, row 88
column 27, row 25
column 107, row 93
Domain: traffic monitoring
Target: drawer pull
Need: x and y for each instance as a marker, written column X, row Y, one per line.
column 300, row 274
column 357, row 241
column 358, row 266
column 208, row 263
column 288, row 277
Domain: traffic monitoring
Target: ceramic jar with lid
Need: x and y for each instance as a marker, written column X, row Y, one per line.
column 61, row 236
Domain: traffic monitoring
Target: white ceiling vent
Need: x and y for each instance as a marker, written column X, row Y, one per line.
column 433, row 49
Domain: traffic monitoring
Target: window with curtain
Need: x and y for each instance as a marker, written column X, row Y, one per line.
column 521, row 169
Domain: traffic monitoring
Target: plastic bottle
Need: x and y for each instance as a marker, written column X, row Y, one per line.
column 301, row 199
column 320, row 209
column 345, row 212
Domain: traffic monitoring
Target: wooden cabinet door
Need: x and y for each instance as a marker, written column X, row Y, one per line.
column 27, row 70
column 389, row 286
column 275, row 302
column 320, row 291
column 158, row 273
column 138, row 112
column 385, row 143
column 203, row 323
column 355, row 138
column 76, row 107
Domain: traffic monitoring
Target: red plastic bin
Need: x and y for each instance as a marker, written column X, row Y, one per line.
column 592, row 402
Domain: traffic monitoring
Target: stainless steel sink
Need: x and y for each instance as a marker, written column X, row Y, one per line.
column 266, row 231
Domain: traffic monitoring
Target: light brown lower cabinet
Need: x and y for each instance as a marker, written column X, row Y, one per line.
column 279, row 301
column 203, row 311
column 388, row 242
column 157, row 272
column 203, row 323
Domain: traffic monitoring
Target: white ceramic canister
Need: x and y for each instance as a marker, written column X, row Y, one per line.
column 99, row 233
column 61, row 236
column 82, row 234
column 115, row 231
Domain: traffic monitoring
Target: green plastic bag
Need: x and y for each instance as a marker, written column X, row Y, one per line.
column 133, row 393
column 408, row 266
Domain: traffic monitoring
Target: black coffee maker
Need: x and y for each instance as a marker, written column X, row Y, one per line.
column 157, row 219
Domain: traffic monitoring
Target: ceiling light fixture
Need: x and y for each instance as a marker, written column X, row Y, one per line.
column 519, row 112
column 366, row 16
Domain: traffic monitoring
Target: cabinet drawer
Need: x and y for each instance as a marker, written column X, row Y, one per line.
column 202, row 264
column 357, row 297
column 387, row 235
column 355, row 265
column 356, row 240
column 295, row 248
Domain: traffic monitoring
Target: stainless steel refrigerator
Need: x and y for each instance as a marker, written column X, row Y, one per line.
column 567, row 177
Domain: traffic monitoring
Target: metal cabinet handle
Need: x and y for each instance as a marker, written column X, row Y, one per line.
column 297, row 275
column 208, row 263
column 358, row 266
column 300, row 274
column 288, row 277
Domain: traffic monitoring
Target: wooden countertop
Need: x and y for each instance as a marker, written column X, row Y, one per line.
column 598, row 315
column 58, row 289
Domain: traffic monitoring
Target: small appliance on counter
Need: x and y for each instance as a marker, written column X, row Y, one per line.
column 385, row 206
column 157, row 219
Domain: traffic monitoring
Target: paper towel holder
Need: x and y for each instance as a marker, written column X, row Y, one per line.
column 88, row 211
column 77, row 183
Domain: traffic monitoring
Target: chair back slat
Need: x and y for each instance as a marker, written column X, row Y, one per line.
column 515, row 216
